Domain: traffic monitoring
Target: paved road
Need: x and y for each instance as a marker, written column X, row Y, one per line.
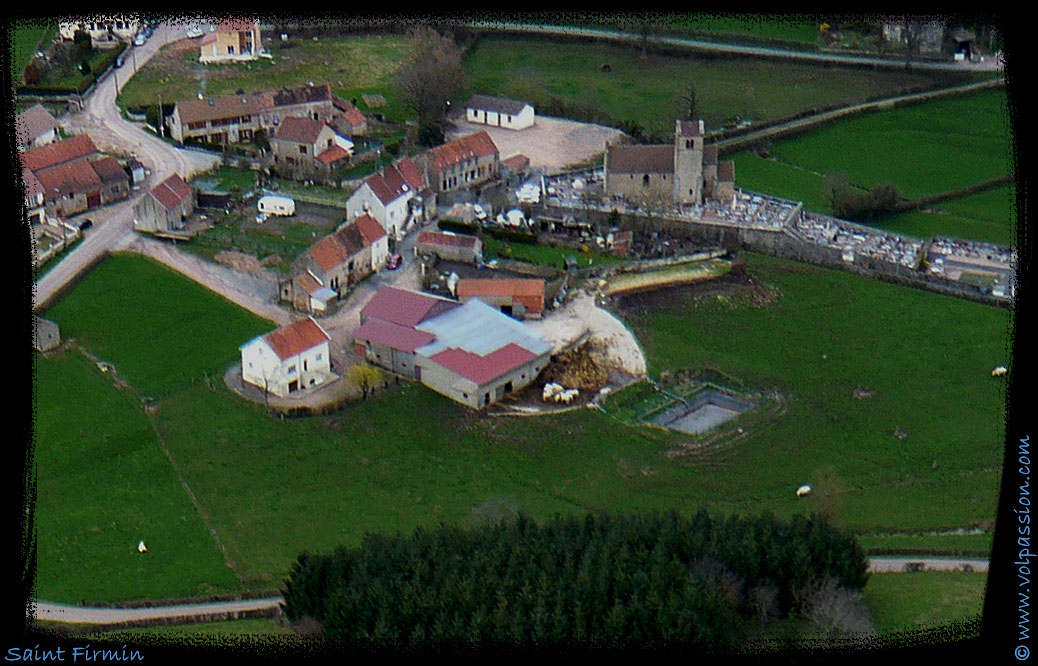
column 113, row 225
column 989, row 64
column 220, row 610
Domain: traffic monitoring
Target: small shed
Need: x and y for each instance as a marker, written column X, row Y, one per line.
column 47, row 335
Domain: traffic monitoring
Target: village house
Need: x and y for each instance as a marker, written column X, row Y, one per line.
column 104, row 32
column 471, row 160
column 165, row 207
column 336, row 262
column 468, row 352
column 398, row 196
column 348, row 119
column 233, row 118
column 234, row 40
column 35, row 127
column 450, row 247
column 304, row 146
column 499, row 112
column 47, row 334
column 287, row 360
column 518, row 298
column 73, row 176
column 676, row 173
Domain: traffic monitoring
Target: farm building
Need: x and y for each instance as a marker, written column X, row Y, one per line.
column 470, row 160
column 166, row 207
column 336, row 262
column 450, row 247
column 519, row 298
column 684, row 172
column 234, row 40
column 73, row 187
column 348, row 119
column 35, row 127
column 499, row 112
column 47, row 335
column 398, row 196
column 289, row 359
column 306, row 146
column 469, row 352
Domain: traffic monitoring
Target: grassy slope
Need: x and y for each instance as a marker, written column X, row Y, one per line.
column 162, row 332
column 649, row 90
column 104, row 484
column 26, row 38
column 912, row 600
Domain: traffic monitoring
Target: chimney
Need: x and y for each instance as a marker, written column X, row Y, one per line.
column 701, row 129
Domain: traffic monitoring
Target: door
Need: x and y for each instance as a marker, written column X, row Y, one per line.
column 93, row 199
column 293, row 385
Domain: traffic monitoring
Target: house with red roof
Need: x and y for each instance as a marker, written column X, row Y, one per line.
column 398, row 197
column 337, row 262
column 165, row 207
column 305, row 146
column 73, row 176
column 233, row 40
column 293, row 358
column 466, row 162
column 469, row 352
column 348, row 119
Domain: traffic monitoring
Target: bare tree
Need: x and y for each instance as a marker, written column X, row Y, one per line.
column 835, row 609
column 431, row 77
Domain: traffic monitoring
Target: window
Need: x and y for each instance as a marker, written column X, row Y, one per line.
column 302, row 150
column 230, row 50
column 318, row 358
column 645, row 180
column 291, row 369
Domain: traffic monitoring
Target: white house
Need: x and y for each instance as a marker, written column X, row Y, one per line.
column 104, row 31
column 391, row 197
column 290, row 359
column 35, row 127
column 499, row 112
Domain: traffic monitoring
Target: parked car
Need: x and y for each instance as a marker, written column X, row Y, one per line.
column 85, row 224
column 140, row 39
column 120, row 59
column 194, row 32
column 394, row 262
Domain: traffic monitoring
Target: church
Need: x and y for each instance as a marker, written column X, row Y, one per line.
column 686, row 171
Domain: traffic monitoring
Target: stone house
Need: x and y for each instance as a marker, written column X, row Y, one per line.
column 449, row 246
column 466, row 162
column 398, row 197
column 304, row 146
column 165, row 207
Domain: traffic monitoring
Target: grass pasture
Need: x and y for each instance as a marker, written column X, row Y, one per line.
column 27, row 37
column 353, row 65
column 911, row 601
column 162, row 331
column 273, row 488
column 649, row 90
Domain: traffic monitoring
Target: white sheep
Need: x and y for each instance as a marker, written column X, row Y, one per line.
column 999, row 371
column 803, row 490
column 551, row 390
column 141, row 548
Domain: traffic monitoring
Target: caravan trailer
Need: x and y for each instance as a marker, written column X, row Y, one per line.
column 275, row 205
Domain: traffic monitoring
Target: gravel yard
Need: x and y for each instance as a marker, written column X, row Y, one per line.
column 552, row 143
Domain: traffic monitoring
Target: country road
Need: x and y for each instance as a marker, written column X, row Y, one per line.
column 229, row 609
column 101, row 119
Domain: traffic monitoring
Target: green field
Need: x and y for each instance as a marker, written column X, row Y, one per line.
column 987, row 216
column 354, row 65
column 272, row 488
column 26, row 39
column 908, row 601
column 934, row 542
column 104, row 485
column 544, row 255
column 649, row 90
column 162, row 332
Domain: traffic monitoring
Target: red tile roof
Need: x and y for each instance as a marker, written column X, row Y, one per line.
column 369, row 228
column 337, row 248
column 501, row 287
column 299, row 130
column 225, row 106
column 69, row 178
column 332, row 155
column 303, row 95
column 109, row 170
column 308, row 283
column 405, row 308
column 171, row 192
column 296, row 338
column 395, row 336
column 353, row 116
column 516, row 162
column 445, row 239
column 60, row 152
column 710, row 154
column 461, row 150
column 413, row 176
column 482, row 369
column 389, row 185
column 236, row 24
column 33, row 187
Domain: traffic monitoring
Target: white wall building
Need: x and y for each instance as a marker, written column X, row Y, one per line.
column 499, row 112
column 290, row 359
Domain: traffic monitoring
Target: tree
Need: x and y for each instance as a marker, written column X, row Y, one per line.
column 690, row 102
column 431, row 77
column 33, row 73
column 835, row 609
column 365, row 377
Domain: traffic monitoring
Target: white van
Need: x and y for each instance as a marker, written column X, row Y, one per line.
column 276, row 205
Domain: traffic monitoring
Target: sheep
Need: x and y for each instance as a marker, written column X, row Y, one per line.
column 551, row 390
column 999, row 371
column 141, row 548
column 803, row 490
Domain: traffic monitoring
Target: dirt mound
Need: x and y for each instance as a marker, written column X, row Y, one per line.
column 734, row 288
column 240, row 261
column 576, row 368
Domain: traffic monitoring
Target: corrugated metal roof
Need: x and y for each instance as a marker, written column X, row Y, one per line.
column 480, row 329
